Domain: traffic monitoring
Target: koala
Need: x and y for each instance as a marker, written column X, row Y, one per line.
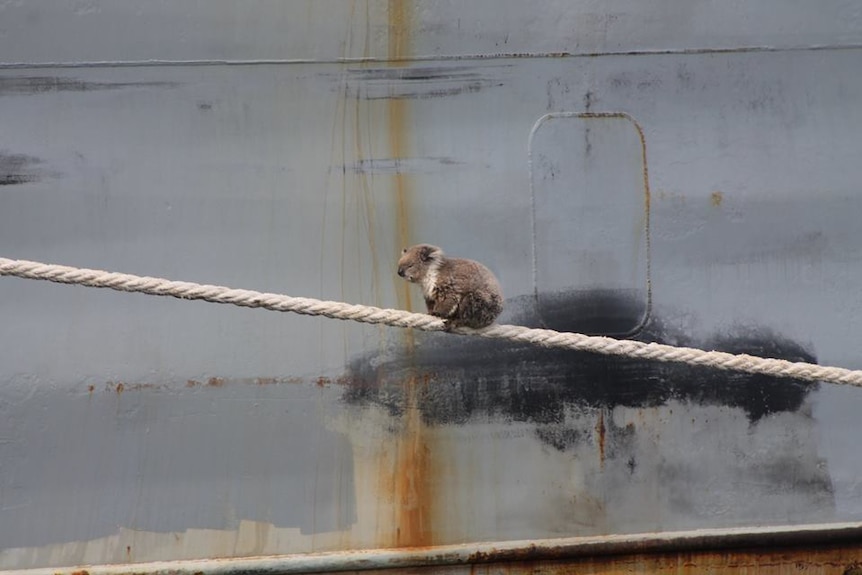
column 462, row 292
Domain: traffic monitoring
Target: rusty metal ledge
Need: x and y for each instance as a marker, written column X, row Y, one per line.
column 704, row 540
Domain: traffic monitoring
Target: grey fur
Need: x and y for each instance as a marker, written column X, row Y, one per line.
column 462, row 292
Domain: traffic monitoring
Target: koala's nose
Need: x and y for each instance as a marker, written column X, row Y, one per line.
column 401, row 272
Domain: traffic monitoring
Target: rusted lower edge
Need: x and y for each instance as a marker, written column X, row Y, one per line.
column 502, row 552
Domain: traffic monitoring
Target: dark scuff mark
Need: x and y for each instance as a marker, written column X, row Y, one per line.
column 472, row 377
column 14, row 179
column 389, row 166
column 601, row 432
column 417, row 74
column 28, row 85
column 416, row 82
column 18, row 169
column 560, row 437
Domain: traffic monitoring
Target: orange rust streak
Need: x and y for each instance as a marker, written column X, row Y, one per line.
column 412, row 486
column 215, row 382
column 411, row 496
column 400, row 17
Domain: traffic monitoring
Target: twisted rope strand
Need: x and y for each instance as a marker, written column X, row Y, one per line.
column 399, row 318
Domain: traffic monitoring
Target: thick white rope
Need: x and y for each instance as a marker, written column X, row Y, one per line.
column 400, row 318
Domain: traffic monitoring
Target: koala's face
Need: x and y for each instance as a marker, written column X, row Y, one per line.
column 415, row 260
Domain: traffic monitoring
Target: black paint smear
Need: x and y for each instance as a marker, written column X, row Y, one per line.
column 18, row 169
column 460, row 378
column 15, row 179
column 416, row 83
column 418, row 74
column 613, row 313
column 29, row 85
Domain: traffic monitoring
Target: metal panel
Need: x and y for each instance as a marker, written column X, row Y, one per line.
column 584, row 169
column 124, row 30
column 137, row 429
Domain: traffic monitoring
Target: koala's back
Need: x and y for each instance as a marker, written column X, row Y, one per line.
column 474, row 289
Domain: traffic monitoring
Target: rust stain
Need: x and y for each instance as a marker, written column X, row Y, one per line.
column 600, row 431
column 773, row 557
column 715, row 198
column 400, row 21
column 761, row 561
column 647, row 203
column 831, row 551
column 398, row 115
column 413, row 474
column 413, row 478
column 647, row 240
column 119, row 387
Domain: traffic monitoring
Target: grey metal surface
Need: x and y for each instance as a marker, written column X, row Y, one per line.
column 138, row 429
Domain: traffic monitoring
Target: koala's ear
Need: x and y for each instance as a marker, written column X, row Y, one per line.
column 426, row 254
column 404, row 251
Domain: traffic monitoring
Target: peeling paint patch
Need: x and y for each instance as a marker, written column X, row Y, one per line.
column 248, row 536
